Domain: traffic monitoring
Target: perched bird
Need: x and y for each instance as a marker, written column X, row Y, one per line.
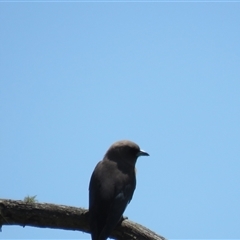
column 111, row 187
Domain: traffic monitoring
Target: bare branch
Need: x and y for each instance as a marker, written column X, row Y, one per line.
column 45, row 215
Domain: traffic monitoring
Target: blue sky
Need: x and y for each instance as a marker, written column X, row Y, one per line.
column 76, row 77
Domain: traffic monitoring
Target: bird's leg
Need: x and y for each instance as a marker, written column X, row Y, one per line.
column 122, row 219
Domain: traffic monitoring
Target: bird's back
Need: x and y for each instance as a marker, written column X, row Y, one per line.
column 110, row 190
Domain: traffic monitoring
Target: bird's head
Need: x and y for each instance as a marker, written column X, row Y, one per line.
column 125, row 152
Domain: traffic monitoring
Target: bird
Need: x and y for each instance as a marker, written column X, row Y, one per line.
column 111, row 187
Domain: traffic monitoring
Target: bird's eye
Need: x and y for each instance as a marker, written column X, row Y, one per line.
column 133, row 151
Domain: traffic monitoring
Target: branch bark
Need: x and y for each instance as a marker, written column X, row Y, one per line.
column 45, row 215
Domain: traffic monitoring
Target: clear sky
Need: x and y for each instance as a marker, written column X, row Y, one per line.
column 76, row 77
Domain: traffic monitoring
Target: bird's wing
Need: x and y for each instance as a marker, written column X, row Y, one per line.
column 116, row 210
column 108, row 198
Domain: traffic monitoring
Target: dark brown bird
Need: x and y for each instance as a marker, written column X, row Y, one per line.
column 111, row 187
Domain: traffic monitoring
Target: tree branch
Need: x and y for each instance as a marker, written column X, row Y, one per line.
column 45, row 215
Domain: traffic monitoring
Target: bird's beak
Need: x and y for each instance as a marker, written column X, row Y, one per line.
column 142, row 153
